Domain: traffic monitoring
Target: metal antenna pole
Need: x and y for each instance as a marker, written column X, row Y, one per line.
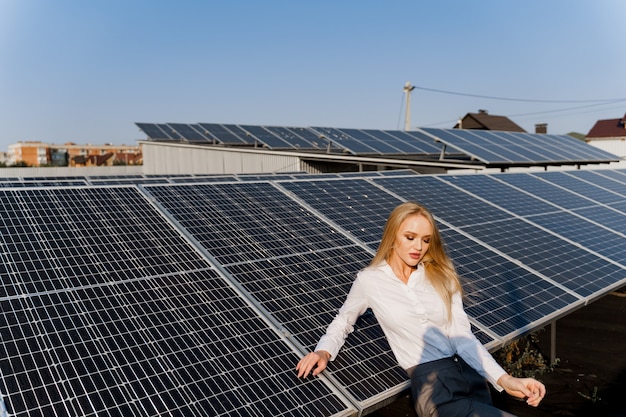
column 407, row 117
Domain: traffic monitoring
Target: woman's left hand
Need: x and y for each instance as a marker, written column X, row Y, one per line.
column 529, row 388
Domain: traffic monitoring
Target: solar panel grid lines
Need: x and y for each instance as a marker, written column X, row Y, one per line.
column 513, row 199
column 600, row 179
column 359, row 207
column 153, row 131
column 502, row 295
column 415, row 141
column 383, row 147
column 344, row 141
column 188, row 132
column 279, row 233
column 531, row 183
column 223, row 134
column 611, row 217
column 591, row 236
column 595, row 194
column 501, row 143
column 266, row 137
column 294, row 139
column 340, row 201
column 463, row 145
column 567, row 264
column 124, row 346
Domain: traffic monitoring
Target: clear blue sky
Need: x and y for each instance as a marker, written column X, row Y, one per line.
column 85, row 71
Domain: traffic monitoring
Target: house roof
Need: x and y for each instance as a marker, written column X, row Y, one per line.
column 608, row 128
column 485, row 121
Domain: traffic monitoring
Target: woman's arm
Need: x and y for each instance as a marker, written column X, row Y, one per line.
column 329, row 345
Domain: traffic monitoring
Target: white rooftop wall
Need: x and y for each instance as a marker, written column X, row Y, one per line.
column 176, row 159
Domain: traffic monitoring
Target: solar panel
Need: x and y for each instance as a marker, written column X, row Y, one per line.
column 546, row 191
column 403, row 141
column 153, row 131
column 600, row 179
column 362, row 208
column 189, row 133
column 296, row 265
column 565, row 264
column 266, row 137
column 516, row 148
column 344, row 141
column 375, row 142
column 223, row 134
column 296, row 141
column 199, row 299
column 505, row 196
column 108, row 310
column 580, row 187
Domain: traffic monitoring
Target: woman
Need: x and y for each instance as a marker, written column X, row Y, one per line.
column 413, row 289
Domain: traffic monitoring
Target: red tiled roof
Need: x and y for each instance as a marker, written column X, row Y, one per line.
column 608, row 128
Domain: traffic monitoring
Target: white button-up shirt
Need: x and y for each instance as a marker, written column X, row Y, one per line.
column 414, row 319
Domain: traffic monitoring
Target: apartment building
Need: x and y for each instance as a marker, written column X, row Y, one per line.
column 35, row 153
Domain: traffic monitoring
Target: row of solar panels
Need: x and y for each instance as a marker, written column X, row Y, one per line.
column 61, row 181
column 198, row 299
column 489, row 147
column 354, row 141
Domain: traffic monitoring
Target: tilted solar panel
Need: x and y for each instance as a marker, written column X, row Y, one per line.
column 362, row 208
column 297, row 266
column 574, row 268
column 108, row 310
column 518, row 148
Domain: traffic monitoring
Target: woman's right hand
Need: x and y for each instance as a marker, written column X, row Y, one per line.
column 317, row 360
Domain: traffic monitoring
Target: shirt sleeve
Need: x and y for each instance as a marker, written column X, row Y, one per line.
column 469, row 347
column 353, row 307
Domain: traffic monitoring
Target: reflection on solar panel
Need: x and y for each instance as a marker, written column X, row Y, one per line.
column 198, row 299
column 575, row 268
column 265, row 137
column 344, row 141
column 98, row 321
column 362, row 208
column 188, row 132
column 515, row 148
column 153, row 131
column 297, row 267
column 222, row 134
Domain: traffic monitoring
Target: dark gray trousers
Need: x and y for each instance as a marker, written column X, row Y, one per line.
column 451, row 388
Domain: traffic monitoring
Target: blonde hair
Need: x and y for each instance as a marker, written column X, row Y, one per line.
column 439, row 268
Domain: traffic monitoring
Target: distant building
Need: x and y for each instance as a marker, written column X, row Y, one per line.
column 40, row 153
column 485, row 121
column 609, row 135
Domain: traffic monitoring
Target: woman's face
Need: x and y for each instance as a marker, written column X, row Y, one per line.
column 412, row 240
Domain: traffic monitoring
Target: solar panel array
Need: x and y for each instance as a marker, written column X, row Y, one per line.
column 310, row 139
column 493, row 148
column 515, row 148
column 199, row 298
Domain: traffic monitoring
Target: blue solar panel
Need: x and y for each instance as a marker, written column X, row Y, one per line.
column 513, row 199
column 296, row 265
column 154, row 131
column 581, row 187
column 516, row 148
column 600, row 179
column 189, row 133
column 225, row 134
column 344, row 141
column 564, row 263
column 546, row 191
column 265, row 137
column 108, row 310
column 443, row 200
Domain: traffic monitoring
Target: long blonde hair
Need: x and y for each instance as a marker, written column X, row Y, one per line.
column 439, row 268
